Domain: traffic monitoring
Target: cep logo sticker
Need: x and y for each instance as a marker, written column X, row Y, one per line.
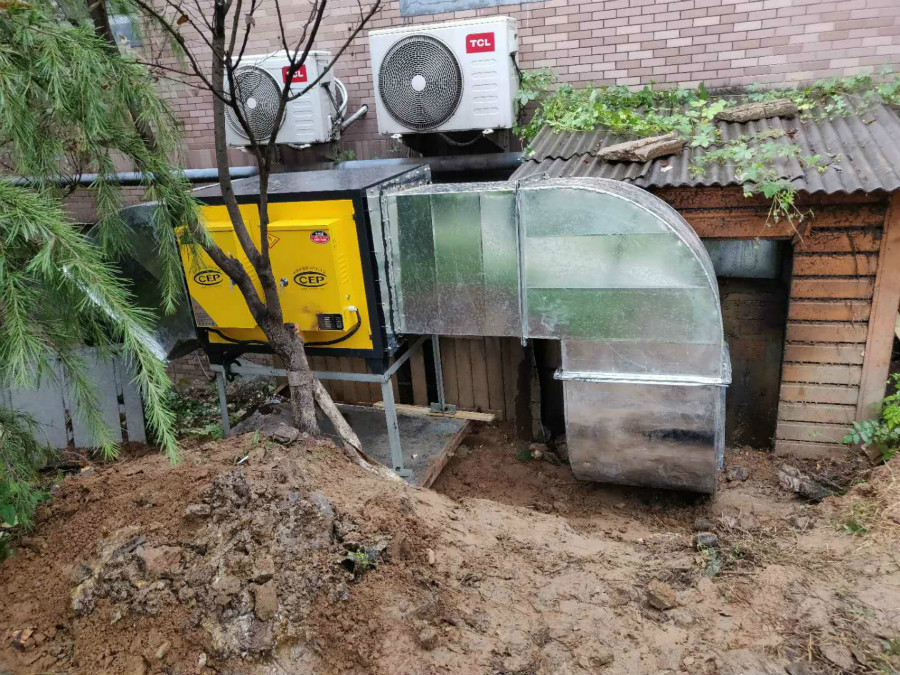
column 310, row 278
column 319, row 237
column 479, row 42
column 299, row 76
column 208, row 277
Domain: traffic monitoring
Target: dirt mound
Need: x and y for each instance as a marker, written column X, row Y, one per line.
column 261, row 559
column 234, row 566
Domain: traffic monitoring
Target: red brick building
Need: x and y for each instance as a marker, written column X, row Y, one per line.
column 631, row 42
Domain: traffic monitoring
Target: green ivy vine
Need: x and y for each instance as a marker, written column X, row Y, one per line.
column 690, row 114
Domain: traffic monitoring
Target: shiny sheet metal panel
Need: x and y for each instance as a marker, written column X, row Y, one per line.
column 663, row 436
column 453, row 262
column 501, row 261
column 458, row 261
column 413, row 264
column 604, row 261
column 636, row 357
column 651, row 315
column 657, row 260
column 381, row 240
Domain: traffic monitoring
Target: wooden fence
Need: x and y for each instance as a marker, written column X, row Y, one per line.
column 480, row 373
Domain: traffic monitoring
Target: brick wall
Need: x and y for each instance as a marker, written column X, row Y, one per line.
column 630, row 42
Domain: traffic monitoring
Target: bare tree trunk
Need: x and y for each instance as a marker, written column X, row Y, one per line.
column 288, row 344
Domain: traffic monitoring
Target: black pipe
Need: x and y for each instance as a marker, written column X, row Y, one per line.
column 137, row 178
column 498, row 161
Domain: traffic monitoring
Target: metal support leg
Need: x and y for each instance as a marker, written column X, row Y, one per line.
column 393, row 429
column 223, row 402
column 441, row 406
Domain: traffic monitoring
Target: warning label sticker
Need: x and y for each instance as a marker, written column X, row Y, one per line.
column 319, row 237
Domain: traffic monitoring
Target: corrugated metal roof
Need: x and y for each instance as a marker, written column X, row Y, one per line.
column 865, row 147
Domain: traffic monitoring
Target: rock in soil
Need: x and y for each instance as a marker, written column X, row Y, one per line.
column 428, row 638
column 702, row 525
column 562, row 450
column 839, row 655
column 816, row 489
column 803, row 668
column 660, row 595
column 737, row 474
column 265, row 601
column 705, row 540
column 799, row 522
column 538, row 450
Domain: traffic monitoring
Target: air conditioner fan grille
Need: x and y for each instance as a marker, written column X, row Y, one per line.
column 420, row 82
column 258, row 95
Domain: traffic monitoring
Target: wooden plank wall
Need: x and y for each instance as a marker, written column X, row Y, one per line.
column 480, row 374
column 833, row 278
column 833, row 275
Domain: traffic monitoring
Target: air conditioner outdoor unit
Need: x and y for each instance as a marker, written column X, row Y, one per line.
column 453, row 76
column 311, row 118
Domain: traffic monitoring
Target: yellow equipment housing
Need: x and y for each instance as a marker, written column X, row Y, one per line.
column 322, row 251
column 315, row 255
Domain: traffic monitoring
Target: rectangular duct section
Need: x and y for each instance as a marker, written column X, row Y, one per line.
column 611, row 271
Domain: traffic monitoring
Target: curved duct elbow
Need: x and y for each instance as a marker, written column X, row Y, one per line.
column 611, row 271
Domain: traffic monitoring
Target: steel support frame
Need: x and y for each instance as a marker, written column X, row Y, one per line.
column 384, row 379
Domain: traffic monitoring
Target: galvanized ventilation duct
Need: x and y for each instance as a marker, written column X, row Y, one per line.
column 607, row 268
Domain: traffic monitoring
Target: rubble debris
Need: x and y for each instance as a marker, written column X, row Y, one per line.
column 428, row 638
column 284, row 434
column 538, row 450
column 642, row 149
column 736, row 474
column 162, row 650
column 803, row 667
column 782, row 107
column 799, row 522
column 265, row 601
column 197, row 512
column 21, row 638
column 702, row 525
column 839, row 655
column 660, row 595
column 705, row 540
column 816, row 489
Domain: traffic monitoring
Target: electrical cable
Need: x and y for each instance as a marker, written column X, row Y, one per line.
column 247, row 343
column 460, row 144
column 352, row 332
column 323, row 343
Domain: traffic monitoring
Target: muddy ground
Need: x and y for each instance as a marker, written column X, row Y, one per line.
column 252, row 557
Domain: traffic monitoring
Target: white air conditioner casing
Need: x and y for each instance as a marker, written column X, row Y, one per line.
column 454, row 76
column 307, row 119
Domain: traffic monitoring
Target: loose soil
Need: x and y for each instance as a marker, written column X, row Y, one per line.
column 251, row 557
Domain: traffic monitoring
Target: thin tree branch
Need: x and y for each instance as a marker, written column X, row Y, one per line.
column 179, row 38
column 340, row 52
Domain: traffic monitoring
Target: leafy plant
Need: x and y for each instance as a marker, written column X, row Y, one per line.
column 883, row 432
column 20, row 458
column 690, row 113
column 533, row 85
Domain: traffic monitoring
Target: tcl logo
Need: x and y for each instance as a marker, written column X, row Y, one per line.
column 479, row 42
column 299, row 76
